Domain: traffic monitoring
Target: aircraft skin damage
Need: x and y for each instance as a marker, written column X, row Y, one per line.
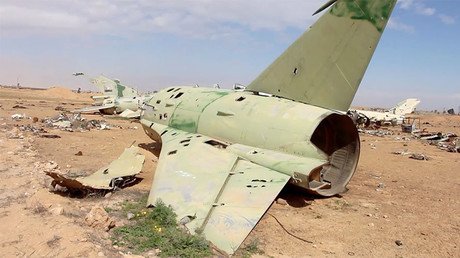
column 293, row 130
column 226, row 154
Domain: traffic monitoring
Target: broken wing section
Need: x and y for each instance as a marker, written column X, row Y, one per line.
column 95, row 109
column 225, row 194
column 114, row 175
column 325, row 66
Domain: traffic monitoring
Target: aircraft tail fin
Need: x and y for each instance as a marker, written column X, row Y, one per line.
column 405, row 107
column 113, row 87
column 125, row 91
column 104, row 85
column 325, row 66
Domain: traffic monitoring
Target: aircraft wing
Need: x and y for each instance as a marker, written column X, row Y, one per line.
column 199, row 177
column 93, row 109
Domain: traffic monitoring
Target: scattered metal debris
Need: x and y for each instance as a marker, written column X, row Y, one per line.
column 60, row 108
column 128, row 113
column 50, row 136
column 401, row 152
column 419, row 156
column 409, row 124
column 18, row 116
column 447, row 141
column 379, row 133
column 33, row 129
column 75, row 122
column 118, row 174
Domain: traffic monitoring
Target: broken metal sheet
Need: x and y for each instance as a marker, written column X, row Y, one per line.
column 419, row 156
column 94, row 109
column 444, row 141
column 116, row 174
column 128, row 113
column 18, row 116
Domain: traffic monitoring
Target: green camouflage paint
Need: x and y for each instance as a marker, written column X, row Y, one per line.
column 376, row 12
column 120, row 89
column 184, row 124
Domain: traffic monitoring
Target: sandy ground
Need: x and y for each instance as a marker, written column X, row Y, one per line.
column 391, row 197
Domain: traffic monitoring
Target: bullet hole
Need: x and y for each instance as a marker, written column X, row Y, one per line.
column 240, row 98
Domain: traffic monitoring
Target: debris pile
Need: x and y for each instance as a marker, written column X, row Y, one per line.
column 74, row 122
column 445, row 141
column 379, row 133
column 33, row 129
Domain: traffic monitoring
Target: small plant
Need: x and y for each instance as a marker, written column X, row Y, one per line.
column 251, row 248
column 157, row 229
column 38, row 208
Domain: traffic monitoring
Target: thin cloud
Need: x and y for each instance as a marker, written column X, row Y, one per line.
column 448, row 20
column 198, row 18
column 418, row 7
column 423, row 10
column 394, row 24
column 405, row 4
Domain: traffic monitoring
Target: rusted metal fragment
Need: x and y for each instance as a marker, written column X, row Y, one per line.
column 119, row 173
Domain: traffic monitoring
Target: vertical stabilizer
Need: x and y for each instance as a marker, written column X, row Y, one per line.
column 113, row 88
column 405, row 107
column 325, row 66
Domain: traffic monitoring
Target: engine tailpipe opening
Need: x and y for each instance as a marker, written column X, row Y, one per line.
column 337, row 137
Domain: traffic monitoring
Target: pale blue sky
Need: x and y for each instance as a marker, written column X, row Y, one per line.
column 151, row 44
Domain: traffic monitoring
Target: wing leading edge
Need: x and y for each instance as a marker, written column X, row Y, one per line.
column 199, row 177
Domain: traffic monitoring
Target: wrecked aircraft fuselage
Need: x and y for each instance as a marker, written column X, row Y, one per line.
column 227, row 154
column 320, row 146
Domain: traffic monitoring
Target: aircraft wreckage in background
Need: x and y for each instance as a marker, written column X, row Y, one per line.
column 393, row 116
column 116, row 98
column 227, row 154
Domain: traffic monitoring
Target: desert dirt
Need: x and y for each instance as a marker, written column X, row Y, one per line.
column 395, row 206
